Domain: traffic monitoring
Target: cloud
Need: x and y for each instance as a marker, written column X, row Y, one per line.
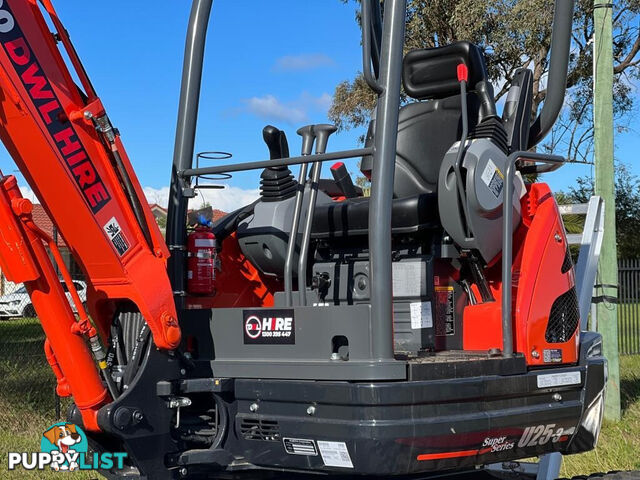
column 269, row 107
column 296, row 112
column 227, row 199
column 306, row 61
column 28, row 193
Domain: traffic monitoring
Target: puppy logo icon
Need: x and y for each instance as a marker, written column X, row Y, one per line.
column 64, row 448
column 65, row 442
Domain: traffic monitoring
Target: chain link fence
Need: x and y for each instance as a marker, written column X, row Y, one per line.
column 28, row 400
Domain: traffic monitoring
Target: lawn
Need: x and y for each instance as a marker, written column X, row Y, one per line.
column 619, row 445
column 27, row 400
column 27, row 408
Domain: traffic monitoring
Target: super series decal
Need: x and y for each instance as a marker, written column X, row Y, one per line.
column 531, row 436
column 48, row 105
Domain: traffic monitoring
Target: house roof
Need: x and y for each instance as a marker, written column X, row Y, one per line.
column 155, row 208
column 42, row 220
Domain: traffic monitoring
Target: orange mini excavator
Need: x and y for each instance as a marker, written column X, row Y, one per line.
column 431, row 328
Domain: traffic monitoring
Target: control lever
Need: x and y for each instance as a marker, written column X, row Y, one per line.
column 308, row 135
column 276, row 141
column 322, row 133
column 343, row 180
column 463, row 78
column 276, row 182
column 308, row 138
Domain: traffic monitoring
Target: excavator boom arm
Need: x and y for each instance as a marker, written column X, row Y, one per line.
column 63, row 142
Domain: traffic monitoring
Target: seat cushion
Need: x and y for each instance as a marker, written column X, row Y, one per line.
column 351, row 217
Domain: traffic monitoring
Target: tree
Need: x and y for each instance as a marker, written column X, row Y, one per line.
column 514, row 34
column 627, row 207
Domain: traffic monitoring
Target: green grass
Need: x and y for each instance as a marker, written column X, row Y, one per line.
column 619, row 444
column 27, row 400
column 27, row 408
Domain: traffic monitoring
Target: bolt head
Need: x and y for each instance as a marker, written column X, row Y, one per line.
column 254, row 407
column 88, row 115
column 558, row 238
column 138, row 416
column 535, row 354
column 183, row 371
column 184, row 472
column 311, row 411
column 557, row 397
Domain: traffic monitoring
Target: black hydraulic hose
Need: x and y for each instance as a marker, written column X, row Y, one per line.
column 134, row 201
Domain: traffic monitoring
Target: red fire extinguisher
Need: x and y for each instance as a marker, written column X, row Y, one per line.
column 202, row 261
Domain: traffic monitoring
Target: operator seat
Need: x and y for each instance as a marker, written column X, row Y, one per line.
column 426, row 131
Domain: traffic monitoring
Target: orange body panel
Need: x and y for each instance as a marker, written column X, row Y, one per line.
column 539, row 281
column 238, row 284
column 67, row 352
column 70, row 167
column 540, row 246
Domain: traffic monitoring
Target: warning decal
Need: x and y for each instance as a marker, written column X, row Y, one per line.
column 493, row 178
column 445, row 311
column 116, row 236
column 335, row 454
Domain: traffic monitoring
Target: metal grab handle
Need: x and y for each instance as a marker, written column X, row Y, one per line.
column 243, row 167
column 507, row 239
column 558, row 68
column 371, row 27
column 308, row 137
column 322, row 133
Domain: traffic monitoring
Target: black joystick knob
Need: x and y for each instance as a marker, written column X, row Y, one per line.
column 323, row 131
column 276, row 183
column 308, row 137
column 276, row 141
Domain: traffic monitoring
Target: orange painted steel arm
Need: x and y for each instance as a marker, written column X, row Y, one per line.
column 60, row 137
column 23, row 258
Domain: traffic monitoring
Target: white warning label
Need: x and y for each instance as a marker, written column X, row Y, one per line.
column 558, row 379
column 335, row 454
column 113, row 230
column 421, row 316
column 493, row 178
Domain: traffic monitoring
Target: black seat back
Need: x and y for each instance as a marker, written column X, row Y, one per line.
column 427, row 129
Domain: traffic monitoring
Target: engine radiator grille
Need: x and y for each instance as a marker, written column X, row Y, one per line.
column 564, row 318
column 260, row 429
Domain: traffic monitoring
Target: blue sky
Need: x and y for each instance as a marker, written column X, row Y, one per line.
column 272, row 62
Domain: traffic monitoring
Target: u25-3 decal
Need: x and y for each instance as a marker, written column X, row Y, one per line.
column 542, row 434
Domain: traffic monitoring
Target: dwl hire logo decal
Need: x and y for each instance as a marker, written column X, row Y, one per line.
column 64, row 447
